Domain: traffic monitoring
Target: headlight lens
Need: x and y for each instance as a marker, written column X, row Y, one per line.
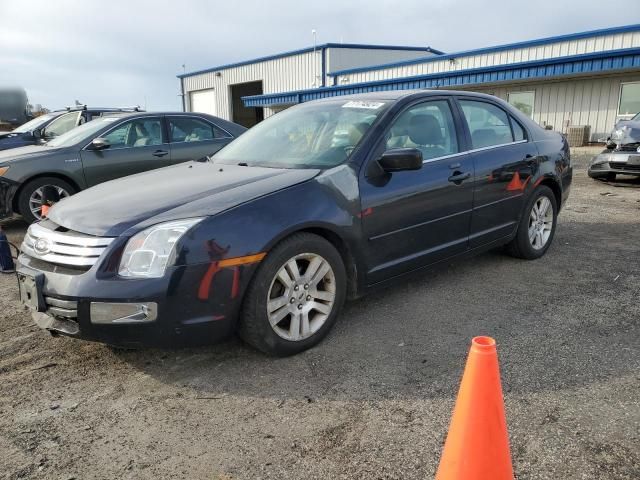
column 3, row 170
column 148, row 252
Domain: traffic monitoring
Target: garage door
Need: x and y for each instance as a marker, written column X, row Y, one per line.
column 203, row 101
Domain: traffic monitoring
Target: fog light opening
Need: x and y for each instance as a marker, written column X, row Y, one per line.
column 123, row 313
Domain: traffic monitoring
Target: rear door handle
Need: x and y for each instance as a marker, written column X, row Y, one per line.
column 160, row 153
column 459, row 177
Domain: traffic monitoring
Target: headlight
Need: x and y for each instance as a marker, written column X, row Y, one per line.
column 148, row 252
column 3, row 170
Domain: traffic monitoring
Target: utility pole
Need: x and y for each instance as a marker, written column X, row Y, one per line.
column 315, row 58
column 181, row 94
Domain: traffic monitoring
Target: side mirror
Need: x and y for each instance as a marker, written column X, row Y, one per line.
column 37, row 134
column 99, row 144
column 400, row 159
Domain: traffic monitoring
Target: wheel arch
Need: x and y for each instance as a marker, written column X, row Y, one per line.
column 66, row 178
column 340, row 244
column 554, row 185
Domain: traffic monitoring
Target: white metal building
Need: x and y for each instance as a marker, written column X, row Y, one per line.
column 586, row 79
column 219, row 90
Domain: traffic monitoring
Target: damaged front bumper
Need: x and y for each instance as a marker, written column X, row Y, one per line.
column 614, row 162
column 188, row 306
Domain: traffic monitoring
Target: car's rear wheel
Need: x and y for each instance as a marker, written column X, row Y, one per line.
column 30, row 199
column 295, row 296
column 537, row 226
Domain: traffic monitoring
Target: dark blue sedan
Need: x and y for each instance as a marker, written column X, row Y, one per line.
column 322, row 202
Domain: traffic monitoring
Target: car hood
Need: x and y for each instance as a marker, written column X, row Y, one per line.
column 22, row 153
column 187, row 190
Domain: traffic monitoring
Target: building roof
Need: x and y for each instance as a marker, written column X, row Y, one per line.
column 310, row 49
column 583, row 64
column 498, row 48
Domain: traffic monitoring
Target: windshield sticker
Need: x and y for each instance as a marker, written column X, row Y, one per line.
column 367, row 105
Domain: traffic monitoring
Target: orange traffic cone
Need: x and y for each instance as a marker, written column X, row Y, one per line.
column 477, row 446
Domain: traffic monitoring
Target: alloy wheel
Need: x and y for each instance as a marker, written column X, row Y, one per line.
column 35, row 200
column 540, row 222
column 301, row 296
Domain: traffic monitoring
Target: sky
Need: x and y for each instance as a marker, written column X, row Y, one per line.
column 128, row 52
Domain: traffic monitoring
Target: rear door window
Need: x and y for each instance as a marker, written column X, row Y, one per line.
column 518, row 132
column 190, row 129
column 488, row 125
column 62, row 124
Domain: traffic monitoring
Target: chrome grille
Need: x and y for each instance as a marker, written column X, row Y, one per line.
column 625, row 166
column 63, row 248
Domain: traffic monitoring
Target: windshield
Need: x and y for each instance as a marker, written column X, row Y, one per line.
column 313, row 135
column 31, row 125
column 81, row 133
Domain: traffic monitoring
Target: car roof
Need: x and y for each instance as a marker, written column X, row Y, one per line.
column 155, row 114
column 399, row 94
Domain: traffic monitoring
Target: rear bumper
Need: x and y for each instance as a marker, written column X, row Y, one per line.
column 193, row 305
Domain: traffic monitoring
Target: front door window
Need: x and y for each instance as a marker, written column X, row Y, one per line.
column 428, row 127
column 141, row 132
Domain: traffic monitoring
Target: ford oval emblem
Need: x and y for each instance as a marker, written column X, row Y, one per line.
column 42, row 246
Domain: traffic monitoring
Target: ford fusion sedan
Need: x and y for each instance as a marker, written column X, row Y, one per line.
column 622, row 156
column 321, row 202
column 103, row 149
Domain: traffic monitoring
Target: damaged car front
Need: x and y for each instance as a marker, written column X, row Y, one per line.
column 622, row 155
column 144, row 268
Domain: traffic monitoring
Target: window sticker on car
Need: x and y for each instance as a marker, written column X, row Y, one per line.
column 367, row 105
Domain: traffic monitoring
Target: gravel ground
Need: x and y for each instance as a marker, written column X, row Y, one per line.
column 375, row 398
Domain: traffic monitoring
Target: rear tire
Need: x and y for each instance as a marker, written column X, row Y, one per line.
column 537, row 228
column 25, row 200
column 284, row 315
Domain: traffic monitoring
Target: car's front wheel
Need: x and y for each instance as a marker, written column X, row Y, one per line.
column 30, row 198
column 295, row 296
column 537, row 226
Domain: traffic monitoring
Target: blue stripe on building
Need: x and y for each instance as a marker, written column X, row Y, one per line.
column 591, row 63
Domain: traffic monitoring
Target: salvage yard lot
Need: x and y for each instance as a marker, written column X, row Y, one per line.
column 375, row 398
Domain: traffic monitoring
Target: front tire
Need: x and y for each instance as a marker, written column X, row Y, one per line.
column 537, row 226
column 295, row 296
column 30, row 198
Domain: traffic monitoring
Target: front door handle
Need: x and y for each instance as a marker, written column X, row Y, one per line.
column 459, row 177
column 160, row 153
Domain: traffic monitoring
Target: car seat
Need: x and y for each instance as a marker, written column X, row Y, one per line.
column 142, row 136
column 484, row 137
column 425, row 132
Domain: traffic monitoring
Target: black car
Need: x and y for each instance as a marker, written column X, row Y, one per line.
column 108, row 147
column 323, row 201
column 622, row 155
column 52, row 124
